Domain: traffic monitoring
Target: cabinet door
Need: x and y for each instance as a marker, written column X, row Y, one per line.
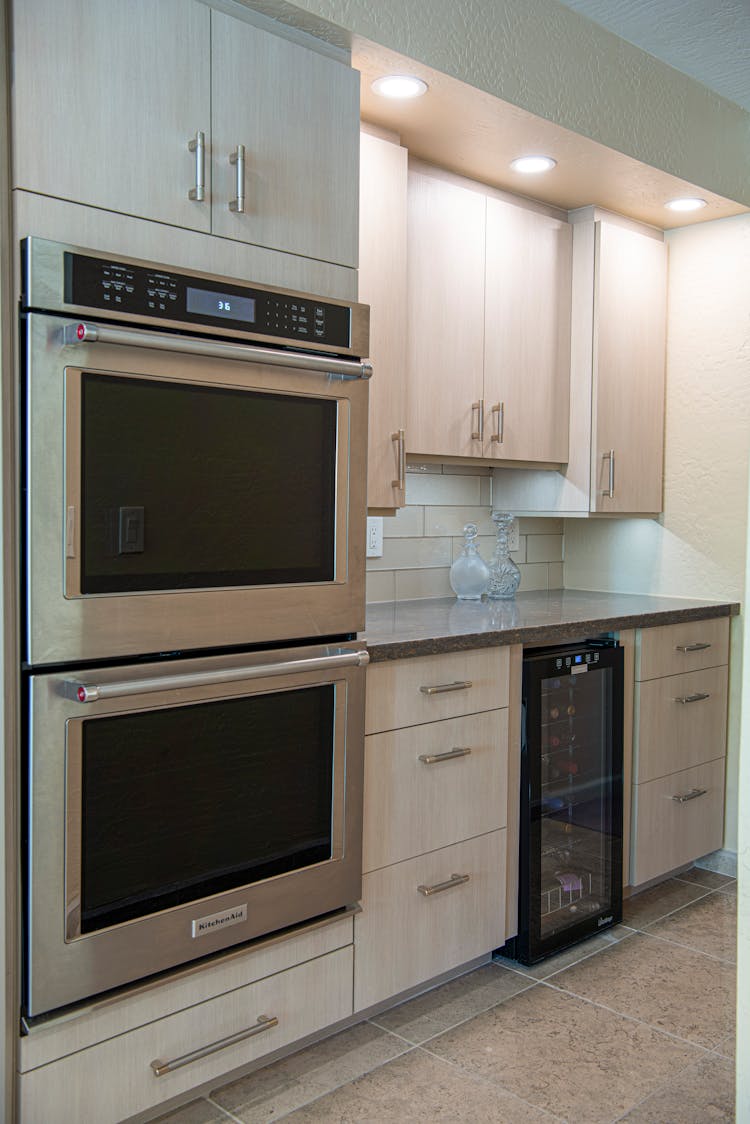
column 445, row 311
column 106, row 99
column 297, row 114
column 527, row 334
column 382, row 285
column 629, row 357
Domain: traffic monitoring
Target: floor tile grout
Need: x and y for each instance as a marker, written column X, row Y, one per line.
column 221, row 1108
column 689, row 948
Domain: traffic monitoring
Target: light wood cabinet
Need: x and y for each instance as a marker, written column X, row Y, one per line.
column 489, row 324
column 679, row 745
column 107, row 99
column 382, row 285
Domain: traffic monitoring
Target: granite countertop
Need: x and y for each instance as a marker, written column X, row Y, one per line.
column 398, row 629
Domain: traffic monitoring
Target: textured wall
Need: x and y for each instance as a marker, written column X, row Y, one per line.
column 697, row 548
column 549, row 60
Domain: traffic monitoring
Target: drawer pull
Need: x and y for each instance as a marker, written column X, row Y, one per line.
column 435, row 758
column 459, row 685
column 683, row 797
column 454, row 880
column 692, row 647
column 698, row 697
column 263, row 1024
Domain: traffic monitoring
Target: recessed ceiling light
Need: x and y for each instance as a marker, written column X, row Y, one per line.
column 532, row 165
column 685, row 204
column 399, row 86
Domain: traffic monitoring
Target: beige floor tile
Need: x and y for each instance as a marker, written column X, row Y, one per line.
column 705, row 1092
column 197, row 1112
column 572, row 1058
column 572, row 955
column 672, row 988
column 294, row 1081
column 708, row 925
column 708, row 878
column 651, row 905
column 730, row 889
column 416, row 1089
column 452, row 1003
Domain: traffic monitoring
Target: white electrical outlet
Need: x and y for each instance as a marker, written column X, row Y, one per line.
column 514, row 538
column 374, row 536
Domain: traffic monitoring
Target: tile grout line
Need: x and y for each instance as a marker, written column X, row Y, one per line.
column 690, row 948
column 229, row 1115
column 663, row 1086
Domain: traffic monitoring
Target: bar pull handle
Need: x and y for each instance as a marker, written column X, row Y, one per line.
column 477, row 408
column 698, row 697
column 451, row 755
column 499, row 411
column 454, row 880
column 237, row 160
column 610, row 491
column 398, row 438
column 198, row 146
column 692, row 647
column 443, row 688
column 683, row 797
column 264, row 1024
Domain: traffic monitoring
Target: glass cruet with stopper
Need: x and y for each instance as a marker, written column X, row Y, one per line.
column 505, row 577
column 469, row 573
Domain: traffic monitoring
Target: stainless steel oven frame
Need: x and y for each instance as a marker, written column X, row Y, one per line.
column 63, row 626
column 64, row 966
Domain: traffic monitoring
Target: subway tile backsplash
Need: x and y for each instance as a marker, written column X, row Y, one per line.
column 421, row 541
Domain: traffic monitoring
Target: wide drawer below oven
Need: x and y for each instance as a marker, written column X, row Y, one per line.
column 115, row 1079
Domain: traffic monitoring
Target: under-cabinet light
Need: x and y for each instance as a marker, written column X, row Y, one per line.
column 399, row 86
column 533, row 165
column 685, row 204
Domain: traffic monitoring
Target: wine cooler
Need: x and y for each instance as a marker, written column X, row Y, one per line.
column 570, row 883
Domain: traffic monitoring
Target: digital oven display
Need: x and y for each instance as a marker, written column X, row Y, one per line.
column 207, row 302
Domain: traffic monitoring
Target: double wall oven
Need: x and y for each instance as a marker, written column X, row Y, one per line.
column 194, row 473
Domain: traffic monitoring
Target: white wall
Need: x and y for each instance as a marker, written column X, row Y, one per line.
column 697, row 547
column 743, row 888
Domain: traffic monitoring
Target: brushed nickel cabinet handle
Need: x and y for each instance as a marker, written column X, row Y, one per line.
column 454, row 880
column 698, row 697
column 442, row 688
column 610, row 492
column 692, row 647
column 499, row 411
column 683, row 797
column 198, row 146
column 237, row 160
column 478, row 433
column 398, row 438
column 451, row 755
column 264, row 1023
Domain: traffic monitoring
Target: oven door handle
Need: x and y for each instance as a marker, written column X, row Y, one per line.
column 82, row 692
column 82, row 332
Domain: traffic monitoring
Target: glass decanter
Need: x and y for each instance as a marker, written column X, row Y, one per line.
column 469, row 573
column 505, row 577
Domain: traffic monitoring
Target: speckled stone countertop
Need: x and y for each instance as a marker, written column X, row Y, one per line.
column 398, row 629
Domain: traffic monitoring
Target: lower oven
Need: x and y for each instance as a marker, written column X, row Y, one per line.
column 176, row 808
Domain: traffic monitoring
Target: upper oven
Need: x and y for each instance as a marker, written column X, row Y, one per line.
column 194, row 460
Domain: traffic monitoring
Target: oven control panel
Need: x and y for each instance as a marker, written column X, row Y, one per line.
column 98, row 283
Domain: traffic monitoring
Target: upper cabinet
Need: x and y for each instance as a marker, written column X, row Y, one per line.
column 179, row 114
column 382, row 285
column 489, row 325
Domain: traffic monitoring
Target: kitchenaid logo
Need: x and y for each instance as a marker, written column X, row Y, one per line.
column 202, row 926
column 605, row 920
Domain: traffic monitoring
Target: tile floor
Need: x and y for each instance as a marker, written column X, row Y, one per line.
column 636, row 1024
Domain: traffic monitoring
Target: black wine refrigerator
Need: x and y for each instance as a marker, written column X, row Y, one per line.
column 570, row 879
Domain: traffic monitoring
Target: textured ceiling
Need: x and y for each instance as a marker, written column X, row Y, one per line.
column 709, row 40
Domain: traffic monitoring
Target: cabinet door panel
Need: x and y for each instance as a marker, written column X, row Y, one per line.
column 445, row 317
column 382, row 285
column 106, row 99
column 297, row 114
column 527, row 334
column 629, row 357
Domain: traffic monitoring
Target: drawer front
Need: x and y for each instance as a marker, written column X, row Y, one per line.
column 668, row 833
column 429, row 786
column 115, row 1080
column 681, row 721
column 403, row 937
column 677, row 648
column 430, row 688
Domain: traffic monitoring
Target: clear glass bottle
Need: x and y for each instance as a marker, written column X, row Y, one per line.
column 505, row 577
column 469, row 573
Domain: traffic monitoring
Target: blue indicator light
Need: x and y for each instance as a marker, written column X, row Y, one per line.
column 579, row 659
